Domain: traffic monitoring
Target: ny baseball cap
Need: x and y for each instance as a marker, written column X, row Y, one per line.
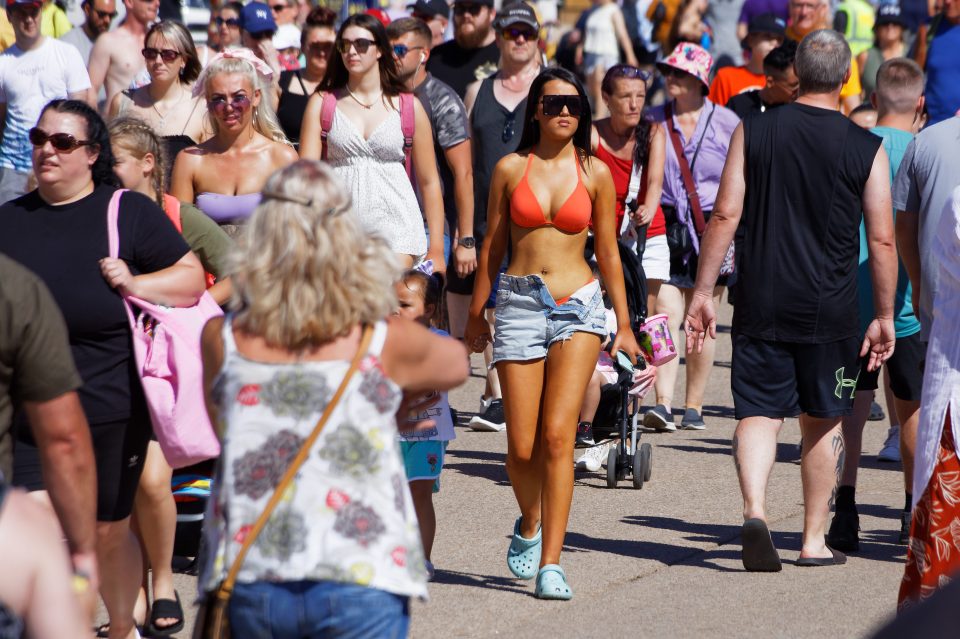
column 256, row 17
column 517, row 13
column 765, row 23
column 430, row 8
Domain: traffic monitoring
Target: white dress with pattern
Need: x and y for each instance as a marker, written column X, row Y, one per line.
column 374, row 173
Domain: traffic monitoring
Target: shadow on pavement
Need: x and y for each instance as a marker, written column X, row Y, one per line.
column 667, row 554
column 454, row 578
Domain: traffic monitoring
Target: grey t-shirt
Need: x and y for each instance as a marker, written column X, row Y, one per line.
column 929, row 172
column 79, row 38
column 448, row 117
column 723, row 16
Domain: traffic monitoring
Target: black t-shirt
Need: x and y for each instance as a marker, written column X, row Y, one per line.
column 459, row 67
column 748, row 103
column 806, row 169
column 63, row 246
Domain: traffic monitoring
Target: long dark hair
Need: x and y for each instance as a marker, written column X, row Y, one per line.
column 641, row 135
column 337, row 74
column 102, row 169
column 531, row 131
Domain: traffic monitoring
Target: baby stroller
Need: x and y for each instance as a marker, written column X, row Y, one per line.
column 619, row 408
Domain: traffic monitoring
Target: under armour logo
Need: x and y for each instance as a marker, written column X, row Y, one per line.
column 843, row 382
column 133, row 461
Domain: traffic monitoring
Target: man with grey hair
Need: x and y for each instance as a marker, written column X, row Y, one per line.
column 799, row 176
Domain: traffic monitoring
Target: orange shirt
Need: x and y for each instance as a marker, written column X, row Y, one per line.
column 731, row 81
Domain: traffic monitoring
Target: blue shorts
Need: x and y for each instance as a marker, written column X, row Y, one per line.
column 528, row 319
column 423, row 460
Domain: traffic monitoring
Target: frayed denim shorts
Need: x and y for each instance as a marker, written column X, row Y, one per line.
column 528, row 320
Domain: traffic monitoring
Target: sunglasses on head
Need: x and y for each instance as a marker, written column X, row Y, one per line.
column 626, row 71
column 320, row 48
column 167, row 55
column 401, row 50
column 553, row 105
column 220, row 104
column 462, row 8
column 63, row 142
column 105, row 14
column 230, row 22
column 362, row 45
column 514, row 33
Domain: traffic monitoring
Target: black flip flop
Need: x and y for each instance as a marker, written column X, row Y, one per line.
column 165, row 609
column 837, row 558
column 759, row 553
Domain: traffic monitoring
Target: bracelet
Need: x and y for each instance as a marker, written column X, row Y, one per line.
column 80, row 582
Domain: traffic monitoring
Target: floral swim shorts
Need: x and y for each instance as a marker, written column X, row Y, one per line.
column 423, row 460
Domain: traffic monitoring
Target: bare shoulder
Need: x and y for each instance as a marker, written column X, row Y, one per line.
column 596, row 167
column 510, row 164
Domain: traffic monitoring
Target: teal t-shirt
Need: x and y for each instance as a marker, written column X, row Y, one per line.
column 905, row 322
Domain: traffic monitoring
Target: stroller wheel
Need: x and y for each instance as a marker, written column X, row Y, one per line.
column 639, row 470
column 646, row 453
column 612, row 467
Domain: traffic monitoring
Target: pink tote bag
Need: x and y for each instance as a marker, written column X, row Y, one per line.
column 166, row 346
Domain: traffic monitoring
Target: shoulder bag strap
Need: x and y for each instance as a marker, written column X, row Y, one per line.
column 226, row 587
column 327, row 111
column 686, row 171
column 407, row 126
column 113, row 244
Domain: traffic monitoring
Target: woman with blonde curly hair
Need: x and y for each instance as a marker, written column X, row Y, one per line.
column 312, row 292
column 224, row 174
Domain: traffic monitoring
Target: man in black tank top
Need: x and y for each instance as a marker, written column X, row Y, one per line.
column 798, row 177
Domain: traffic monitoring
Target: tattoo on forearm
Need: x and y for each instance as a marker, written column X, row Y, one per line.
column 840, row 453
column 735, row 449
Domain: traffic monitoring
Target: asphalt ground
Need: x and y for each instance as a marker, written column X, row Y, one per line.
column 663, row 561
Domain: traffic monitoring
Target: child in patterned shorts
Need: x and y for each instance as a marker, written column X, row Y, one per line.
column 423, row 449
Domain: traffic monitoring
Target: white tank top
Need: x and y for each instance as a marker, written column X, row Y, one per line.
column 601, row 38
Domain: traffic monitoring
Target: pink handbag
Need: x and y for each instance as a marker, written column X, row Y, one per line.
column 166, row 345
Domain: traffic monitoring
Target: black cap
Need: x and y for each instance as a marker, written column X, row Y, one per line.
column 889, row 14
column 517, row 13
column 486, row 3
column 765, row 23
column 430, row 8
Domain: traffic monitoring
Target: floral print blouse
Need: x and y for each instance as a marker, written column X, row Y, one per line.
column 347, row 516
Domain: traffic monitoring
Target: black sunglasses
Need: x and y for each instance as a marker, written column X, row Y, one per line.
column 230, row 22
column 509, row 128
column 320, row 48
column 63, row 142
column 462, row 8
column 362, row 45
column 167, row 55
column 674, row 72
column 278, row 7
column 262, row 35
column 514, row 33
column 401, row 50
column 105, row 14
column 553, row 105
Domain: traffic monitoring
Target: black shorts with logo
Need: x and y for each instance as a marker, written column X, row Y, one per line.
column 905, row 368
column 783, row 379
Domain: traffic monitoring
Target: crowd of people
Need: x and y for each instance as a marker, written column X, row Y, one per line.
column 370, row 191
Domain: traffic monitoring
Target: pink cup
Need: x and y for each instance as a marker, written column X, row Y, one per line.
column 656, row 341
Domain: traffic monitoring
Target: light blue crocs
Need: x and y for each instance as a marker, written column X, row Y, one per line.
column 523, row 556
column 552, row 583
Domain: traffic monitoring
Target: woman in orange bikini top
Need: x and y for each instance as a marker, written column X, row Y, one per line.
column 550, row 312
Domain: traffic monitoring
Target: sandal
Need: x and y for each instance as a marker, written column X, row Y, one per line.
column 523, row 556
column 165, row 609
column 759, row 553
column 552, row 584
column 836, row 558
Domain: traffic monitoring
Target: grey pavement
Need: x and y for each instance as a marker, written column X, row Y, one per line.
column 663, row 561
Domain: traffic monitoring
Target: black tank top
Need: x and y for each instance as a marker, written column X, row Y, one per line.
column 496, row 134
column 799, row 241
column 175, row 144
column 292, row 105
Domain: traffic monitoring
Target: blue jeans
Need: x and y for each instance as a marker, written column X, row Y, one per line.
column 316, row 609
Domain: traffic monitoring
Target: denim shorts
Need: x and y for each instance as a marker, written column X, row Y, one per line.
column 291, row 610
column 528, row 319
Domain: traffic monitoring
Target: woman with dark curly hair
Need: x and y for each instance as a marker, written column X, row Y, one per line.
column 59, row 231
column 365, row 144
column 550, row 316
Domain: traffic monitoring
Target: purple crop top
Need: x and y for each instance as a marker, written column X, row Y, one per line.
column 228, row 209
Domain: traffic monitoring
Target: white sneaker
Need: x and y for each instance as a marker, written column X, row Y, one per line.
column 593, row 458
column 891, row 448
column 490, row 418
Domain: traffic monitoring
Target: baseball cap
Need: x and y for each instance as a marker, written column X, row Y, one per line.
column 286, row 37
column 517, row 13
column 486, row 3
column 889, row 14
column 256, row 17
column 765, row 23
column 12, row 3
column 430, row 8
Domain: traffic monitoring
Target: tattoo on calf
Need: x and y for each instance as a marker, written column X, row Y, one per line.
column 735, row 449
column 840, row 453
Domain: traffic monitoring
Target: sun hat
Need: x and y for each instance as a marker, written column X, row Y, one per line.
column 286, row 37
column 691, row 58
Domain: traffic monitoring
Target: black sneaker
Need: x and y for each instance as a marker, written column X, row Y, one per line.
column 906, row 519
column 490, row 419
column 844, row 531
column 585, row 435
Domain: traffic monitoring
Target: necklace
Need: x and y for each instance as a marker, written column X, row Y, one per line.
column 163, row 117
column 357, row 100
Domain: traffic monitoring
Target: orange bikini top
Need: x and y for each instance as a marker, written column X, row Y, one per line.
column 572, row 217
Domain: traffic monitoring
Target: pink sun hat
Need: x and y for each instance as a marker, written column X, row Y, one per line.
column 691, row 58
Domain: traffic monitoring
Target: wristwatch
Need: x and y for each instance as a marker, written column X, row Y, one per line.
column 467, row 242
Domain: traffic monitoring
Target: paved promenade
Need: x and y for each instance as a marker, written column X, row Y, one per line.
column 662, row 561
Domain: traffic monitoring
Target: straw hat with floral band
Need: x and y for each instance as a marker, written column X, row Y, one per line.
column 689, row 58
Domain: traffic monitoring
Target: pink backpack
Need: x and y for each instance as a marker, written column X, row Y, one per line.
column 166, row 346
column 407, row 126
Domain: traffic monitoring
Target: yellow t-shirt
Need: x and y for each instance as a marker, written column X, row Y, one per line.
column 7, row 36
column 853, row 86
column 53, row 21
